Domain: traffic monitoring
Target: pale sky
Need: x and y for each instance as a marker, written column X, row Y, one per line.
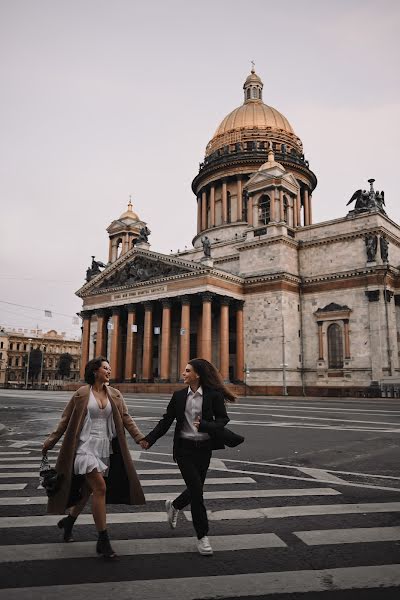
column 102, row 99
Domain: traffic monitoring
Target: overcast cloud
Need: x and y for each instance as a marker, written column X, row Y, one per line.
column 103, row 99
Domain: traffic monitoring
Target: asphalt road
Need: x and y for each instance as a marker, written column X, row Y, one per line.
column 308, row 507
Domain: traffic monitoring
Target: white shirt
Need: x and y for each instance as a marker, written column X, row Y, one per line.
column 193, row 412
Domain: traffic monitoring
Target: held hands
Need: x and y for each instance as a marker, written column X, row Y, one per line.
column 144, row 444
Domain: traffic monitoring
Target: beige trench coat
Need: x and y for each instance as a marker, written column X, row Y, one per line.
column 70, row 426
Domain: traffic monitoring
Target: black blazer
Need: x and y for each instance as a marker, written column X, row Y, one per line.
column 213, row 421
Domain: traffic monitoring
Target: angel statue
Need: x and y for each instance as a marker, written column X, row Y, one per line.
column 362, row 199
column 94, row 269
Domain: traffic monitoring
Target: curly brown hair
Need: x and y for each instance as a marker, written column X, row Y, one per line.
column 92, row 366
column 210, row 377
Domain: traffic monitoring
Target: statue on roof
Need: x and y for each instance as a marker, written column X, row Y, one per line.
column 94, row 269
column 143, row 235
column 206, row 246
column 368, row 201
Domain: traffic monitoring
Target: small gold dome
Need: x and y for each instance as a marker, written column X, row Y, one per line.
column 129, row 214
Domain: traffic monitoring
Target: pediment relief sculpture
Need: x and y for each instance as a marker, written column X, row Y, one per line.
column 333, row 307
column 141, row 269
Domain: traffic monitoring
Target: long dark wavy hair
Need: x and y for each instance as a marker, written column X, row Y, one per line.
column 210, row 377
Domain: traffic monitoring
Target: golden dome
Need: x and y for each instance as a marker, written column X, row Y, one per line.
column 254, row 115
column 129, row 214
column 253, row 120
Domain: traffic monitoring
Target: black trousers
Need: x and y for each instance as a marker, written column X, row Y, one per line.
column 193, row 461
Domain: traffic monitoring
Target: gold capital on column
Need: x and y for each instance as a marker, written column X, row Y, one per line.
column 148, row 342
column 86, row 316
column 185, row 334
column 239, row 341
column 165, row 340
column 115, row 339
column 130, row 355
column 224, row 339
column 206, row 330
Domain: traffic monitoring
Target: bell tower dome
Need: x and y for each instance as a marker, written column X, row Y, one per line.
column 124, row 232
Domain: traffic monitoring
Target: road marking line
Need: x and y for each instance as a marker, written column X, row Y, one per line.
column 219, row 495
column 354, row 535
column 221, row 586
column 320, row 474
column 12, row 454
column 19, row 553
column 7, row 487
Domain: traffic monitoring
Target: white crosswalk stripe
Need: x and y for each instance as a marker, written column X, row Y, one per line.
column 249, row 502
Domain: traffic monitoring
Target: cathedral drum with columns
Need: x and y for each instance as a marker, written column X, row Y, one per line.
column 280, row 304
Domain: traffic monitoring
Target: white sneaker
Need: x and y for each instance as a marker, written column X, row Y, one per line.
column 172, row 513
column 204, row 547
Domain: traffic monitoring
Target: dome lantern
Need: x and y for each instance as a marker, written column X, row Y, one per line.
column 253, row 87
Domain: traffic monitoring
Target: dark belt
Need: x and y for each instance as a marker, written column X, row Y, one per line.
column 201, row 444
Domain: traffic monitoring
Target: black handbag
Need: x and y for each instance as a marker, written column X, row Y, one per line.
column 49, row 478
column 232, row 439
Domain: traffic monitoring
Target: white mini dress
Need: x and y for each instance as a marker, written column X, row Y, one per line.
column 94, row 446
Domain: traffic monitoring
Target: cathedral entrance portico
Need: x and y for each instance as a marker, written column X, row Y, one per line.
column 153, row 340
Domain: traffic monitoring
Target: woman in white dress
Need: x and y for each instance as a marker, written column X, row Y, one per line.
column 94, row 417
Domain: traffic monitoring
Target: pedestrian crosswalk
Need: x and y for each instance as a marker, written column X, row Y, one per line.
column 269, row 536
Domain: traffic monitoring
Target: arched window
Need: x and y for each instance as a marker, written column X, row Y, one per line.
column 264, row 209
column 254, row 92
column 335, row 346
column 248, row 94
column 119, row 247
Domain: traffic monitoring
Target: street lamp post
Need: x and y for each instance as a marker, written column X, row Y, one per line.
column 27, row 364
column 43, row 349
column 284, row 365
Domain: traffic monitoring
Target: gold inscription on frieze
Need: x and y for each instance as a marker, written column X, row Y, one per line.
column 137, row 293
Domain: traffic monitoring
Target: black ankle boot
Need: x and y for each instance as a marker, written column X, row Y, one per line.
column 103, row 545
column 67, row 524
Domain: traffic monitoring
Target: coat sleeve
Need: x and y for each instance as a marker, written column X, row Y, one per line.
column 220, row 416
column 129, row 423
column 53, row 438
column 164, row 424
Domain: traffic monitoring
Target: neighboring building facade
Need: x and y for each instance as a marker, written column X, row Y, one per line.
column 15, row 346
column 275, row 301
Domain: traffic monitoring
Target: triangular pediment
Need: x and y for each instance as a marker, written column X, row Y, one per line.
column 139, row 266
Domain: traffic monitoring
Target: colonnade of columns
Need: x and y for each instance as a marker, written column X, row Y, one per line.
column 207, row 215
column 195, row 314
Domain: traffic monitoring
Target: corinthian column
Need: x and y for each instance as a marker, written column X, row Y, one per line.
column 114, row 363
column 130, row 355
column 239, row 341
column 165, row 340
column 185, row 333
column 239, row 197
column 86, row 316
column 101, row 332
column 224, row 339
column 148, row 342
column 206, row 332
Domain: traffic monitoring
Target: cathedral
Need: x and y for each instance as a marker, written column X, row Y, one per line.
column 280, row 304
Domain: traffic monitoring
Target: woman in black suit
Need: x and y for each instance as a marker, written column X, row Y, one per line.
column 200, row 413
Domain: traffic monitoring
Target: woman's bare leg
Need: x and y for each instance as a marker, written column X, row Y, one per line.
column 76, row 510
column 98, row 487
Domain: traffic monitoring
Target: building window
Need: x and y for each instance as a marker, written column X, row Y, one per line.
column 264, row 210
column 18, row 346
column 248, row 94
column 11, row 346
column 335, row 347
